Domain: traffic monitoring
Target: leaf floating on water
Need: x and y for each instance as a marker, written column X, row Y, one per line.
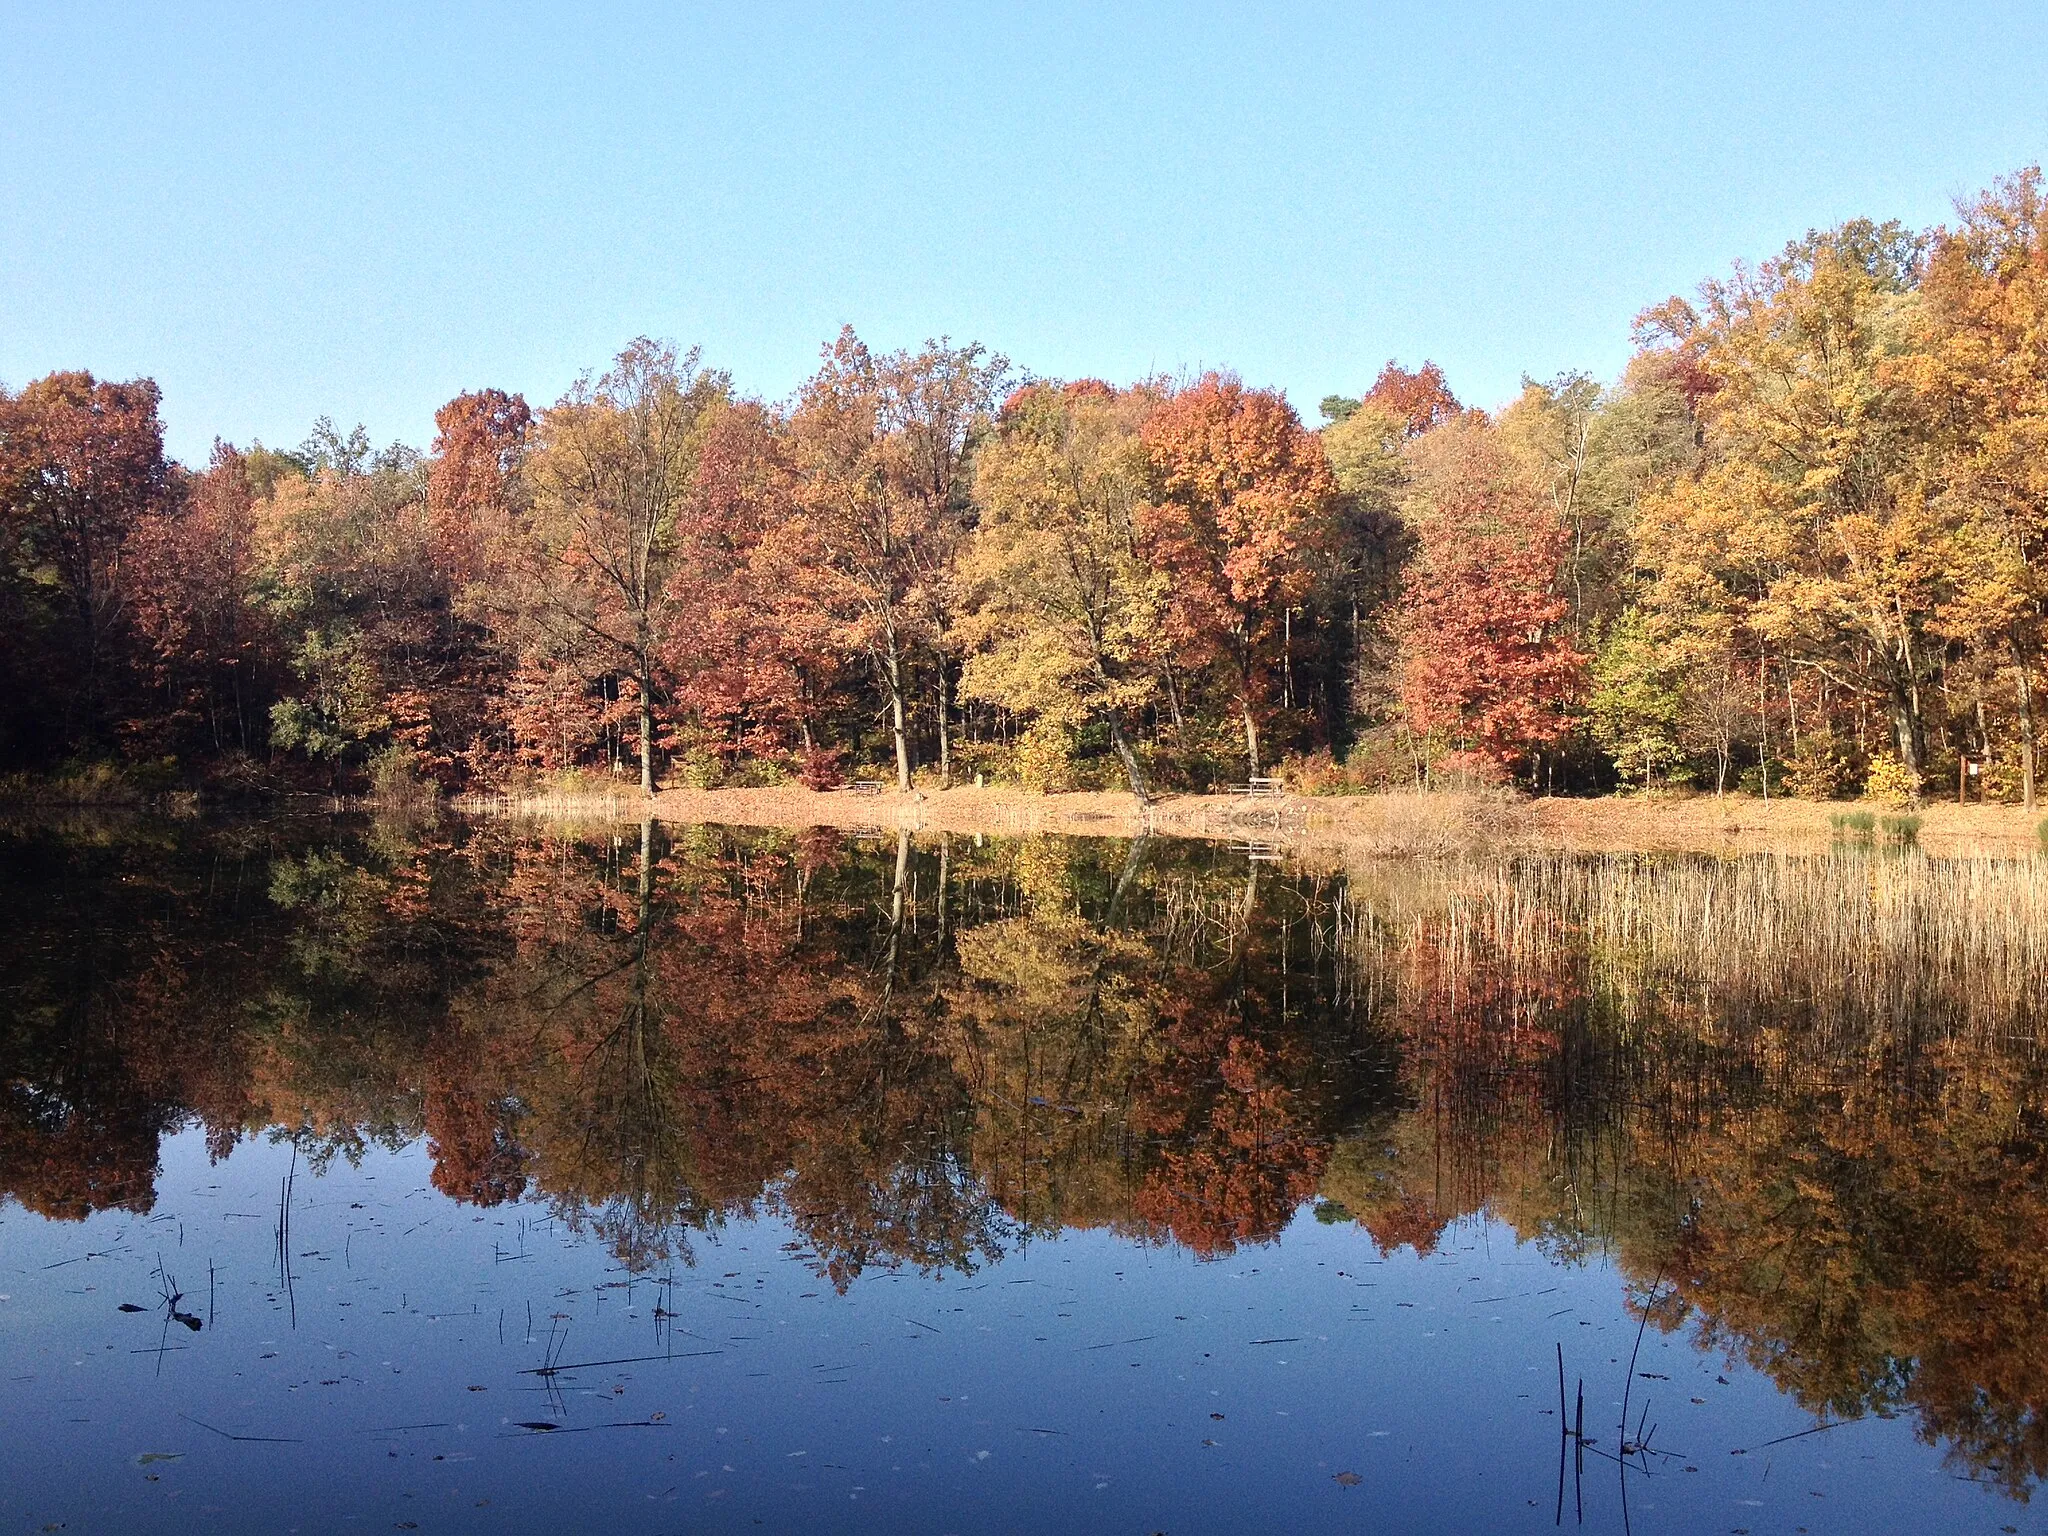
column 151, row 1458
column 1347, row 1479
column 187, row 1319
column 540, row 1425
column 129, row 1306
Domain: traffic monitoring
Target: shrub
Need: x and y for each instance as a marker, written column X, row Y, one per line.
column 1045, row 759
column 699, row 768
column 2003, row 780
column 1855, row 823
column 756, row 773
column 1382, row 758
column 395, row 779
column 821, row 768
column 1316, row 773
column 1821, row 771
column 992, row 761
column 1378, row 761
column 94, row 783
column 1890, row 782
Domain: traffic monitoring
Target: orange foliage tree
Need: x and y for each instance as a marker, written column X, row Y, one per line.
column 1242, row 497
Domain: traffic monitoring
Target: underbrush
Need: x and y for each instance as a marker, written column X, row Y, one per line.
column 97, row 784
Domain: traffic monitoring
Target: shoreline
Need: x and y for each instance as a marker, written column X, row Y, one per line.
column 1392, row 823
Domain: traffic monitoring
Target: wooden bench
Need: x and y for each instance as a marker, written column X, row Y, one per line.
column 866, row 787
column 1260, row 789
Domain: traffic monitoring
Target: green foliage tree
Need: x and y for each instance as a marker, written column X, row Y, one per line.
column 1635, row 703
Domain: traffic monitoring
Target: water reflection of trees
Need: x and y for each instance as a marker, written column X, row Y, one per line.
column 1807, row 1092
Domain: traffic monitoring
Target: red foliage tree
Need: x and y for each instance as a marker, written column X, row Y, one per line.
column 1482, row 669
column 187, row 577
column 1420, row 399
column 756, row 656
column 81, row 462
column 478, row 439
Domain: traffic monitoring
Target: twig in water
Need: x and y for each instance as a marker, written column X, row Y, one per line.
column 1800, row 1434
column 245, row 1439
column 588, row 1365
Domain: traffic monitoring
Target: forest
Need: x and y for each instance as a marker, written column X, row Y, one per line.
column 1799, row 547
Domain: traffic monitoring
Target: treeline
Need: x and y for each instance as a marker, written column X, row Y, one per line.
column 1800, row 547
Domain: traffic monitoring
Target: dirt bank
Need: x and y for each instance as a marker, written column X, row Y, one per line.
column 1387, row 824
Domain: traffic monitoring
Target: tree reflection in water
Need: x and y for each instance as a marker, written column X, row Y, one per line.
column 1808, row 1092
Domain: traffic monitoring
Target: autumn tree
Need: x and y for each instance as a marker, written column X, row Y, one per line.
column 1635, row 702
column 343, row 566
column 1414, row 400
column 1063, row 615
column 479, row 442
column 189, row 573
column 1980, row 380
column 1830, row 547
column 1484, row 667
column 1363, row 559
column 610, row 469
column 1241, row 495
column 757, row 663
column 882, row 446
column 81, row 463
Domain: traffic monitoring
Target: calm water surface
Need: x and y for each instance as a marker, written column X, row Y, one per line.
column 461, row 1177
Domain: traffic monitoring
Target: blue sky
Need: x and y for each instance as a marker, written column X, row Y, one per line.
column 280, row 211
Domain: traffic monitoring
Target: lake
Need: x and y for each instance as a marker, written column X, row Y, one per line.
column 473, row 1176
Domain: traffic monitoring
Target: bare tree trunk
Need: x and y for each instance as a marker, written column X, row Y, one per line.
column 2027, row 757
column 1287, row 655
column 945, row 724
column 897, row 712
column 1763, row 716
column 646, row 733
column 1130, row 761
column 1906, row 732
column 1173, row 701
column 1251, row 733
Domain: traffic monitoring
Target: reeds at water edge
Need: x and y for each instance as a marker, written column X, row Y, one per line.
column 1857, row 939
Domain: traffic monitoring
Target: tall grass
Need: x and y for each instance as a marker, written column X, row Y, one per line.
column 1851, row 945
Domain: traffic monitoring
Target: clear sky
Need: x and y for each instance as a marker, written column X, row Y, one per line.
column 285, row 210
